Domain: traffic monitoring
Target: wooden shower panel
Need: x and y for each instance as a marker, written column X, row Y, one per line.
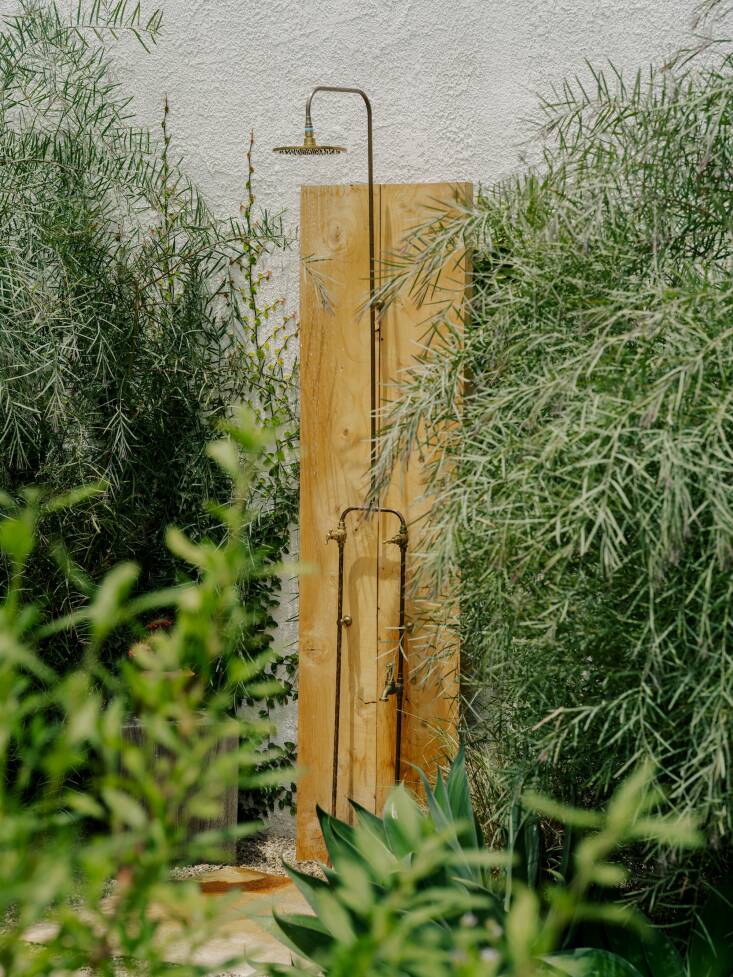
column 335, row 428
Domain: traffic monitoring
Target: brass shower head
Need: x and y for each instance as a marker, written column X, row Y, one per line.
column 309, row 147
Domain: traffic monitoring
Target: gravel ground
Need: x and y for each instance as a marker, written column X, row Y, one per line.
column 266, row 853
column 262, row 853
column 192, row 871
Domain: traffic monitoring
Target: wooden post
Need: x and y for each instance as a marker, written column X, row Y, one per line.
column 335, row 428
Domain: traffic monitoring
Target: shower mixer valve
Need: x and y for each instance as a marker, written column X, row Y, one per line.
column 394, row 683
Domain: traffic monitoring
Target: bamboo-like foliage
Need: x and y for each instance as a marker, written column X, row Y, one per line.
column 583, row 479
column 122, row 302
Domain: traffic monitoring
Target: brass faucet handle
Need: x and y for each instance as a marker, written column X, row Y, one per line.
column 399, row 539
column 339, row 534
column 390, row 686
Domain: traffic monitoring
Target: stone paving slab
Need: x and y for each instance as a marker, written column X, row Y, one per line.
column 245, row 930
column 246, row 927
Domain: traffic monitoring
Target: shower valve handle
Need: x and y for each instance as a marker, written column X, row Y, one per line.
column 390, row 686
column 399, row 539
column 339, row 534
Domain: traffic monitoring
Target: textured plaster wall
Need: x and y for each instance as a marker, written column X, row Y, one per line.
column 452, row 84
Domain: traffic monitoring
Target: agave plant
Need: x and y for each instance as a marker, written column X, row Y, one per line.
column 415, row 893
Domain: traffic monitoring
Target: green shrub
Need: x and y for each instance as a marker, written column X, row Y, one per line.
column 414, row 893
column 94, row 864
column 121, row 295
column 583, row 480
column 131, row 319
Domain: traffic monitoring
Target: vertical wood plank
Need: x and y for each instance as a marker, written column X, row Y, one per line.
column 432, row 661
column 335, row 430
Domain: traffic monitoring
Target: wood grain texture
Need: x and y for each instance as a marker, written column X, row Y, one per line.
column 432, row 659
column 335, row 408
column 335, row 347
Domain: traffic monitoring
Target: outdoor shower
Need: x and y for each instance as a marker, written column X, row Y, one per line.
column 394, row 684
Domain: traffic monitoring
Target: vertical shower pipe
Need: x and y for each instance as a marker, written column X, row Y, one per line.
column 340, row 533
column 340, row 623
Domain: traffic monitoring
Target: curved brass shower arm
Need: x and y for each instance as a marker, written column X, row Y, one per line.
column 337, row 89
column 373, row 328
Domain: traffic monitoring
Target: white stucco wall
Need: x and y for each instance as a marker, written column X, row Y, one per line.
column 452, row 84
